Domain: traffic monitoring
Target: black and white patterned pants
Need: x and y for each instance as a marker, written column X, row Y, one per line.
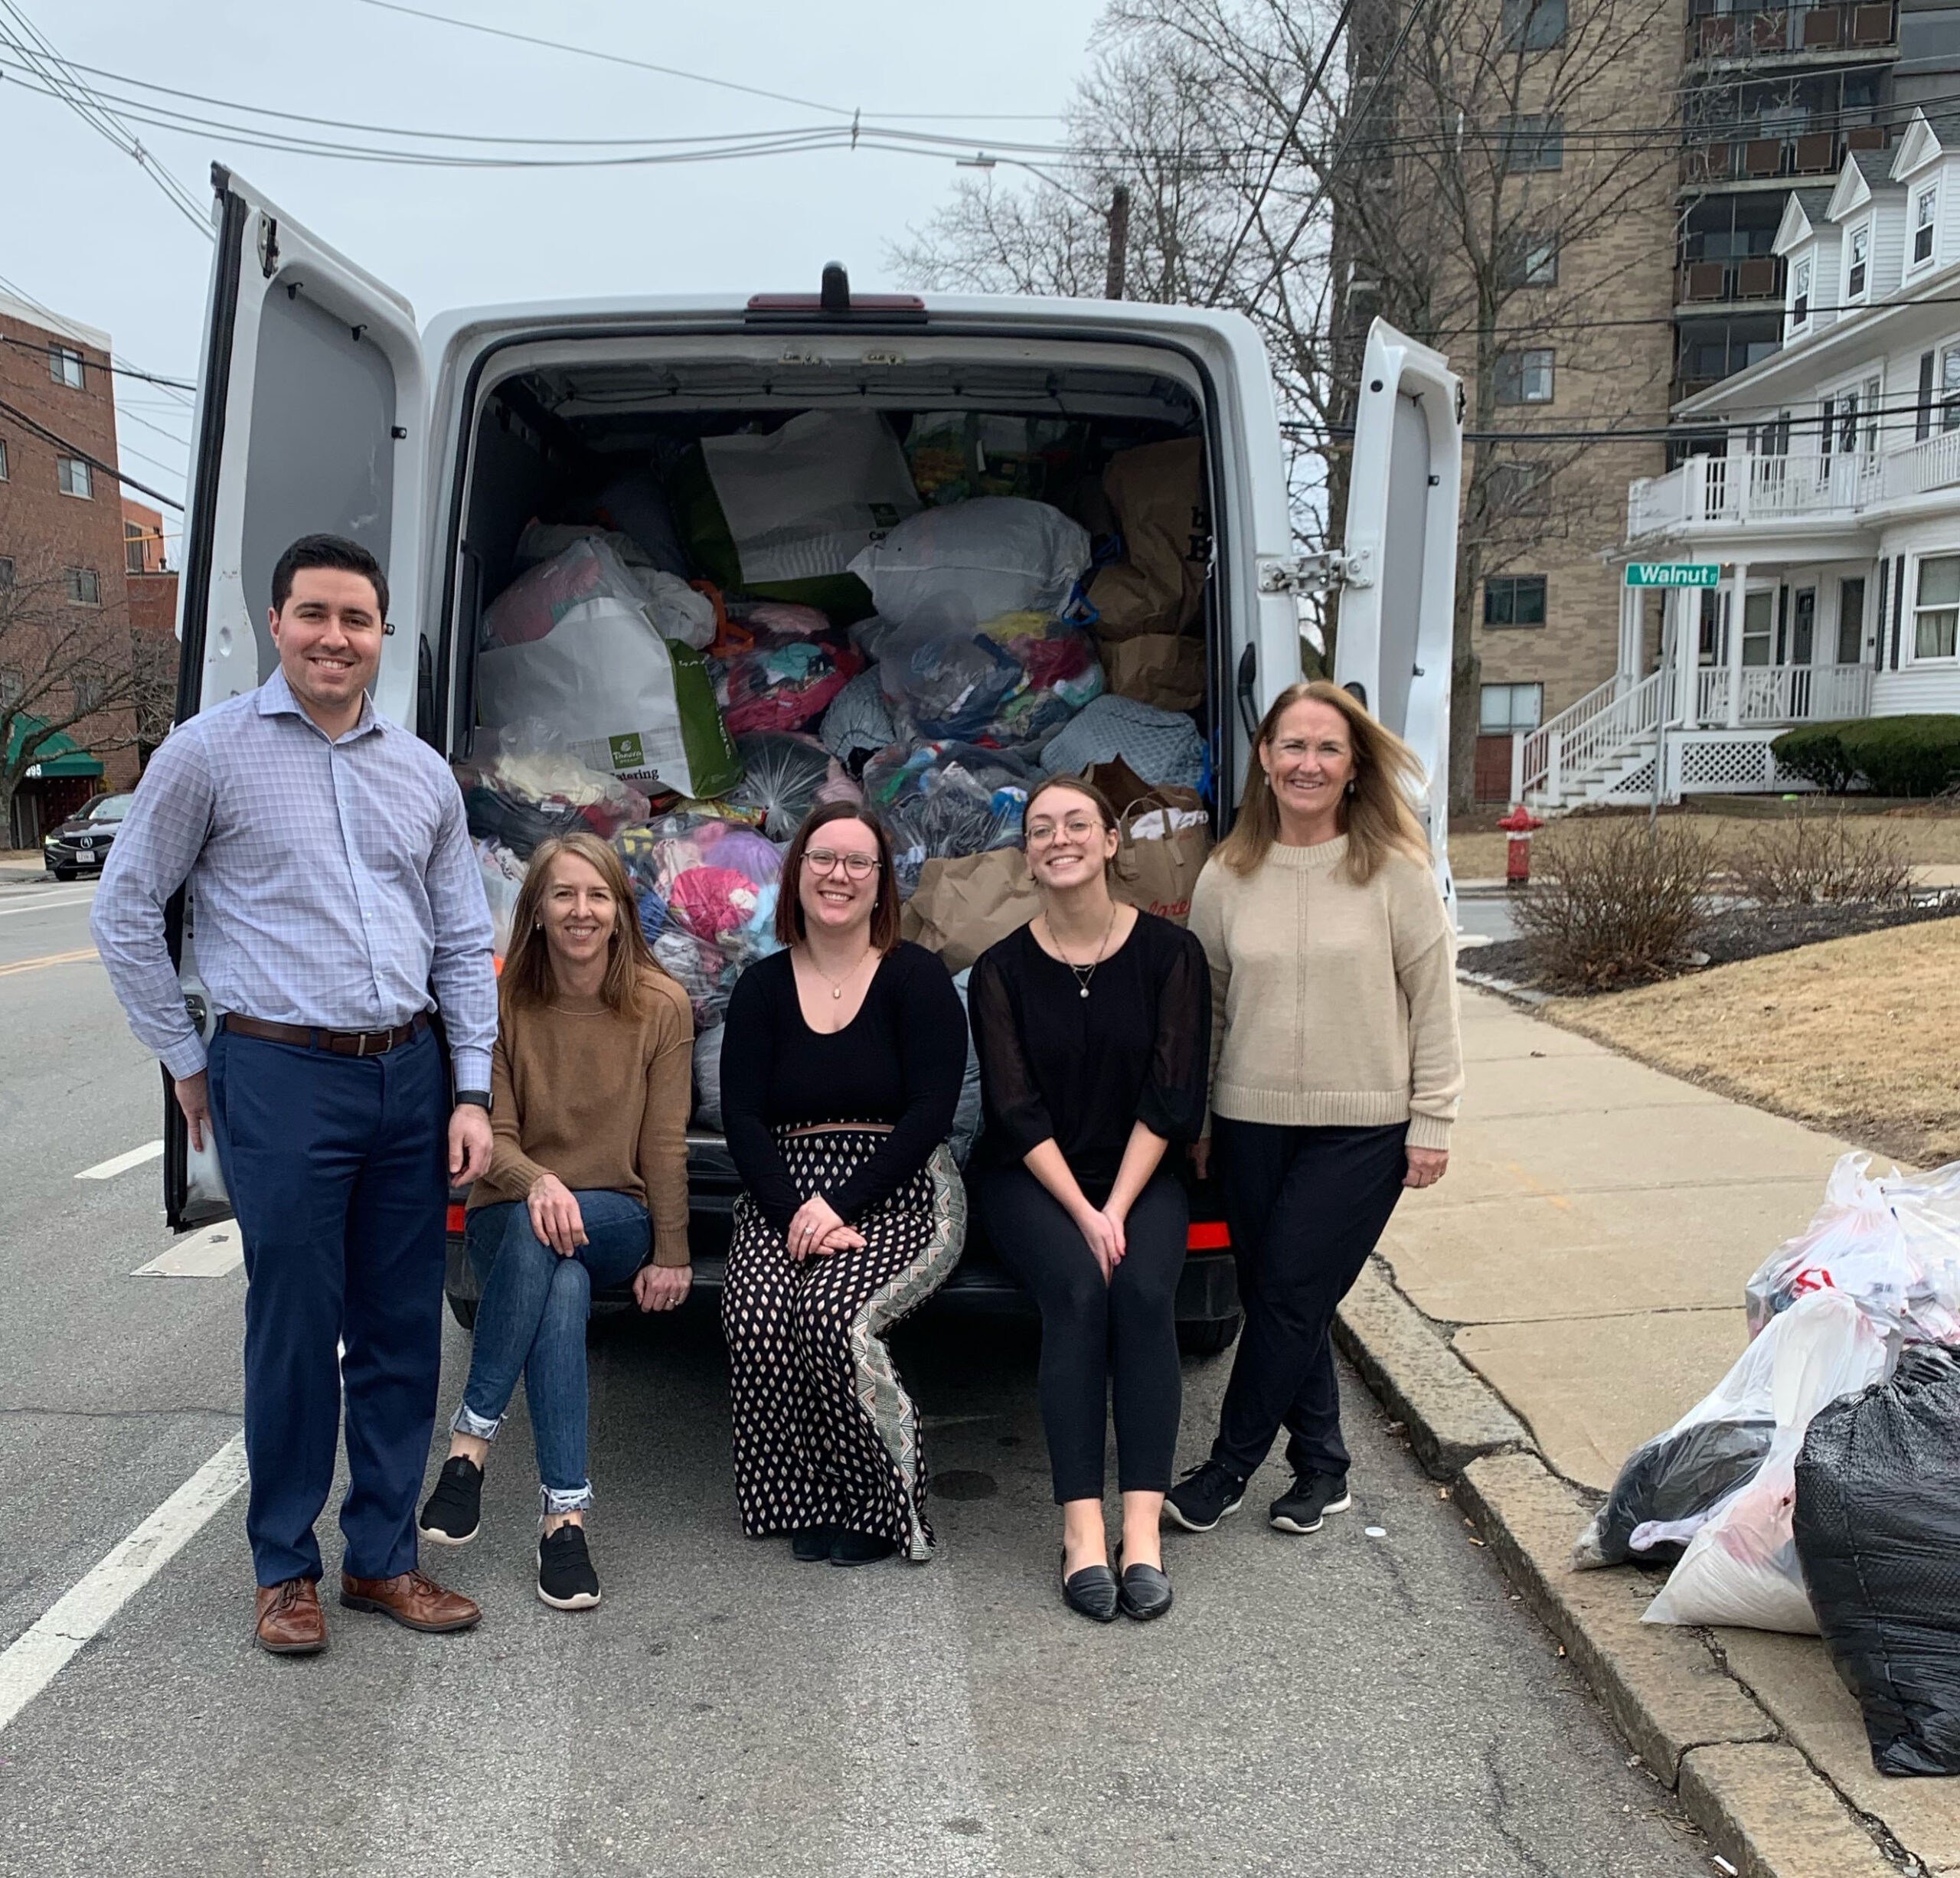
column 825, row 1434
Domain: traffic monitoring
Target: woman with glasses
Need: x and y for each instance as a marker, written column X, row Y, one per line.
column 841, row 1069
column 1093, row 1027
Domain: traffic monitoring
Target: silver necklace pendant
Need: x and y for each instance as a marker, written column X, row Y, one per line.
column 837, row 991
column 1085, row 991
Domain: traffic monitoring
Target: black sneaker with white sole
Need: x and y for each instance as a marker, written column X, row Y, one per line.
column 1304, row 1506
column 1204, row 1497
column 455, row 1509
column 566, row 1580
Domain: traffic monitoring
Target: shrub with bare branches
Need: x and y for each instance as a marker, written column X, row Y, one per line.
column 1815, row 860
column 1619, row 902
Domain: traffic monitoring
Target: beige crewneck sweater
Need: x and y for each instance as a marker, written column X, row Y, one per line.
column 1333, row 1005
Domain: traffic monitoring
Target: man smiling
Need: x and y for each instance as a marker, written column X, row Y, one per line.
column 335, row 891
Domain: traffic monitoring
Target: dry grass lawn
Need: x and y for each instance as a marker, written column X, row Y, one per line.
column 1858, row 1036
column 1931, row 839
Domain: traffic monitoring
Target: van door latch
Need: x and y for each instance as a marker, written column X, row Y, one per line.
column 1317, row 573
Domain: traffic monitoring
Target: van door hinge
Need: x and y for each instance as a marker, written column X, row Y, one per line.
column 1317, row 573
column 268, row 245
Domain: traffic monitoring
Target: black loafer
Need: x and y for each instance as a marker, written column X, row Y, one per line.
column 810, row 1545
column 1145, row 1592
column 850, row 1548
column 1092, row 1591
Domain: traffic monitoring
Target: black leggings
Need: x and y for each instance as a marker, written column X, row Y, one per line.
column 1090, row 1329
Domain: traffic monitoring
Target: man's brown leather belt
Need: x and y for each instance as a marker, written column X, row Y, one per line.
column 341, row 1043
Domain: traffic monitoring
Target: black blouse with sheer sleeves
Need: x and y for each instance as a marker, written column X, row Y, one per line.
column 1084, row 1071
column 899, row 1061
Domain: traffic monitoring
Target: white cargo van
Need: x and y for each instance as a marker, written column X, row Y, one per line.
column 322, row 407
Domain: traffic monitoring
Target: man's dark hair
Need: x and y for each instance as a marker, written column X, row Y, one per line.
column 328, row 551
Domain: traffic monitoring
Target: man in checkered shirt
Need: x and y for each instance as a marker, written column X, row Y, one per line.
column 336, row 901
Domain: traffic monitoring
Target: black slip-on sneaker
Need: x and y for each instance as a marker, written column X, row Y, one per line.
column 455, row 1508
column 566, row 1580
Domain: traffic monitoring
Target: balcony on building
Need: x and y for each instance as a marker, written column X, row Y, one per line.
column 1856, row 29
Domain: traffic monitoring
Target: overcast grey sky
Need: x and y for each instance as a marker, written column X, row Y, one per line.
column 90, row 236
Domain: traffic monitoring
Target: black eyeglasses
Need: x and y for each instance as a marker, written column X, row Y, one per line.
column 828, row 861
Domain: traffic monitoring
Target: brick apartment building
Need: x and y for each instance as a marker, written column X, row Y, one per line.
column 62, row 542
column 152, row 583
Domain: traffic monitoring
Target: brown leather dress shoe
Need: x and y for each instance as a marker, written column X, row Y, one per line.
column 291, row 1622
column 411, row 1599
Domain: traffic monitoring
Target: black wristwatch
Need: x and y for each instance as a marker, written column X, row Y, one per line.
column 476, row 1098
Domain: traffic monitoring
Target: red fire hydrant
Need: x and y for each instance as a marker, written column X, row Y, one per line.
column 1518, row 824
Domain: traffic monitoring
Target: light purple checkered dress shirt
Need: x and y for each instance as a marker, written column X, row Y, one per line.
column 333, row 882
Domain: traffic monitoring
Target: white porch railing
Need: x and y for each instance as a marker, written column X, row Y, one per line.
column 1932, row 463
column 1733, row 489
column 1587, row 732
column 1784, row 693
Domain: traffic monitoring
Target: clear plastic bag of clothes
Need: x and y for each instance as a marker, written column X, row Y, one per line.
column 941, row 802
column 1894, row 1244
column 786, row 776
column 521, row 786
column 1739, row 1564
column 1063, row 675
column 770, row 680
column 951, row 568
column 574, row 569
column 503, row 879
column 949, row 683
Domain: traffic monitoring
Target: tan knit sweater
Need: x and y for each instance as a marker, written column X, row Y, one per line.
column 600, row 1100
column 1333, row 1005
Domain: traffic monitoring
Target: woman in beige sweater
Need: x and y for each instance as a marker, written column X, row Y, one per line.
column 1336, row 1071
column 588, row 1186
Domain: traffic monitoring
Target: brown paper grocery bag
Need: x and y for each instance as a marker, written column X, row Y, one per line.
column 961, row 905
column 1158, row 863
column 1157, row 492
column 1160, row 668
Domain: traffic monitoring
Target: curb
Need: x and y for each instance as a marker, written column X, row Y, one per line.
column 1697, row 1730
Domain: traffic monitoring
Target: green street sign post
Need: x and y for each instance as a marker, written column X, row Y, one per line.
column 1673, row 573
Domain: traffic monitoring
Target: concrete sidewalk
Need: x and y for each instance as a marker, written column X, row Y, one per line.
column 1585, row 1257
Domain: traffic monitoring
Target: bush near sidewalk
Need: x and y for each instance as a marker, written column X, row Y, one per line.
column 1821, row 861
column 1916, row 756
column 1619, row 902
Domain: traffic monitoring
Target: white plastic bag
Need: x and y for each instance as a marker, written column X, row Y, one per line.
column 1893, row 1244
column 577, row 568
column 953, row 568
column 799, row 502
column 1740, row 1567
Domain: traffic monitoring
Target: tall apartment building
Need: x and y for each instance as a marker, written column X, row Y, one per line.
column 62, row 552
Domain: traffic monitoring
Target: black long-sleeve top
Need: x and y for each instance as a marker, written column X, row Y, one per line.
column 1086, row 1070
column 899, row 1061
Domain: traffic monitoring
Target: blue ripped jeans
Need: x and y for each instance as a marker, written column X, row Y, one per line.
column 532, row 1320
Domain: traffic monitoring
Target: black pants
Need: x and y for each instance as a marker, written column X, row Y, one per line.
column 1305, row 1206
column 1091, row 1331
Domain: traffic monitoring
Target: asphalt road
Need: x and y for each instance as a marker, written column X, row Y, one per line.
column 1341, row 1703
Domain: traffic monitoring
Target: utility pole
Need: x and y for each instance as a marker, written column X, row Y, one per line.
column 1119, row 242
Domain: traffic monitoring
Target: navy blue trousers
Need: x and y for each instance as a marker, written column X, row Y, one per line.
column 338, row 1172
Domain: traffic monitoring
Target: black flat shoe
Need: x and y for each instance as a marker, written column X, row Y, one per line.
column 810, row 1545
column 850, row 1548
column 1145, row 1592
column 1091, row 1591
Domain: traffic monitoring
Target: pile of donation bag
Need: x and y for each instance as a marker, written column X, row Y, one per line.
column 824, row 611
column 1816, row 1488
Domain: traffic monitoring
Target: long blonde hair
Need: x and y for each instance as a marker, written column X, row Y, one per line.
column 528, row 978
column 1378, row 819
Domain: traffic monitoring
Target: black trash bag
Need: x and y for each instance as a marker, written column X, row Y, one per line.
column 1877, row 1524
column 1673, row 1477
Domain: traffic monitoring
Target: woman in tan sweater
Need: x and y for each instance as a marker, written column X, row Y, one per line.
column 1336, row 1068
column 591, row 1085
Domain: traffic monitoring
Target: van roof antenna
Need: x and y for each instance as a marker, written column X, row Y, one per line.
column 835, row 297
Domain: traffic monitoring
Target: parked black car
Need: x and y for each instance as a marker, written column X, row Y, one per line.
column 81, row 844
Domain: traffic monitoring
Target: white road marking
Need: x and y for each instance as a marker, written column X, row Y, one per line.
column 34, row 1658
column 208, row 1252
column 45, row 905
column 121, row 1163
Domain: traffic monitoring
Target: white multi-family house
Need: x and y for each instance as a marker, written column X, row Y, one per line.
column 1830, row 500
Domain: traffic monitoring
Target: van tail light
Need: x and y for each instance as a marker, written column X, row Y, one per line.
column 1208, row 1236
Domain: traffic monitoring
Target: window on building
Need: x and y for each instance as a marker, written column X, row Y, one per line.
column 88, row 696
column 1873, row 392
column 6, row 573
column 1922, row 411
column 1532, row 260
column 1525, row 377
column 1800, row 304
column 1514, row 600
column 1533, row 25
column 64, row 366
column 1936, row 607
column 1861, row 251
column 1517, row 489
column 74, row 477
column 133, row 538
column 1758, row 618
column 1850, row 620
column 1533, row 143
column 1847, row 422
column 1504, row 708
column 84, row 586
column 1924, row 212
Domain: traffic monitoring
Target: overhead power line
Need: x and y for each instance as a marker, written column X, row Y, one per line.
column 39, row 429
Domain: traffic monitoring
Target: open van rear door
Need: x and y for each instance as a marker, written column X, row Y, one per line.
column 311, row 419
column 1398, row 602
